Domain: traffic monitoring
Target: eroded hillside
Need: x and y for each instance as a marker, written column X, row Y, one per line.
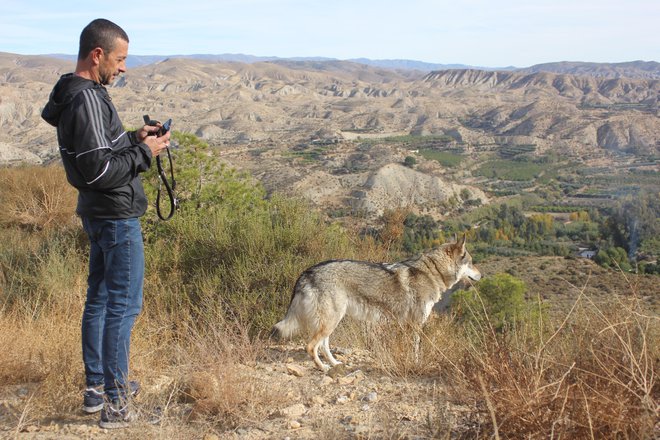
column 300, row 126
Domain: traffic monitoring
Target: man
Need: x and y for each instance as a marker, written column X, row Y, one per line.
column 103, row 162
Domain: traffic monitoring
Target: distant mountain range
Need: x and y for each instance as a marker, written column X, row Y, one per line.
column 143, row 60
column 631, row 69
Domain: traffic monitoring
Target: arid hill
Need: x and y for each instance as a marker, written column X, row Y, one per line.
column 291, row 101
column 258, row 114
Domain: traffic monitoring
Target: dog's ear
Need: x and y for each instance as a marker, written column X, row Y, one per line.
column 461, row 244
column 458, row 247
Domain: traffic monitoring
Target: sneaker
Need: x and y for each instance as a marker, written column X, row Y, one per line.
column 93, row 397
column 114, row 415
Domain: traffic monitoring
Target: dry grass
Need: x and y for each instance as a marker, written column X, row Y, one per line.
column 37, row 198
column 209, row 365
column 593, row 374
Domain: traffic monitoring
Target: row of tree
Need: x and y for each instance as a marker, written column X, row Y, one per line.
column 627, row 234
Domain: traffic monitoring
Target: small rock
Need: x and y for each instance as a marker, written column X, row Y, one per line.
column 327, row 380
column 346, row 380
column 342, row 400
column 295, row 370
column 209, row 436
column 336, row 371
column 371, row 397
column 294, row 424
column 365, row 407
column 293, row 411
column 51, row 428
column 318, row 400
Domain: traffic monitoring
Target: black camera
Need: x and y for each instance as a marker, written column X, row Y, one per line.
column 163, row 129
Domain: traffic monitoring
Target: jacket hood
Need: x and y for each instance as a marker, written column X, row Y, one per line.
column 66, row 89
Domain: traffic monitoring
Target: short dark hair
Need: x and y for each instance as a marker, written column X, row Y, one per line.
column 100, row 33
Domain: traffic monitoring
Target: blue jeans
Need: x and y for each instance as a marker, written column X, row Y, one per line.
column 114, row 299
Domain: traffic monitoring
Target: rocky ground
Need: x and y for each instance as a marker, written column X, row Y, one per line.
column 353, row 400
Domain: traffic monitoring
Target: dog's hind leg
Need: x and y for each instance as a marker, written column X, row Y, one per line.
column 327, row 353
column 313, row 347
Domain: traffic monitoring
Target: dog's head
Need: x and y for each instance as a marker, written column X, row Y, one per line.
column 463, row 260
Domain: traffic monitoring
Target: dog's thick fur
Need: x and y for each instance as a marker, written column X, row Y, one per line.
column 405, row 291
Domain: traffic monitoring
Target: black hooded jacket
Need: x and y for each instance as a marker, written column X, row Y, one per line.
column 101, row 159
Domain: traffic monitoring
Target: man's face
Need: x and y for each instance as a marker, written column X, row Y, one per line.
column 113, row 63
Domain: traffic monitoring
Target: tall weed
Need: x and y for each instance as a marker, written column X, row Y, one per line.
column 593, row 376
column 36, row 198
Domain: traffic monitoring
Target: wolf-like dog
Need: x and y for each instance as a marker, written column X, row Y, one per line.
column 405, row 291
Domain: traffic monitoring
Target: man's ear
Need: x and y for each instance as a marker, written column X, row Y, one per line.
column 96, row 54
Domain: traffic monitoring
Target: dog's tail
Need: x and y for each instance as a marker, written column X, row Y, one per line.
column 285, row 329
column 296, row 318
column 289, row 326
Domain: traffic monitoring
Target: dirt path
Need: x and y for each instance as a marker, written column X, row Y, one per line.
column 352, row 401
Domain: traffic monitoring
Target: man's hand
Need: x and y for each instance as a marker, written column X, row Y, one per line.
column 155, row 144
column 147, row 130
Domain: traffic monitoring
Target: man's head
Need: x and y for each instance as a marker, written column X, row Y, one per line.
column 103, row 51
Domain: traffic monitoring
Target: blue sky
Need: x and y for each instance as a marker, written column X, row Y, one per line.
column 493, row 33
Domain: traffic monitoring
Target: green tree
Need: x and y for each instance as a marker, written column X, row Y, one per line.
column 614, row 257
column 635, row 219
column 410, row 161
column 497, row 301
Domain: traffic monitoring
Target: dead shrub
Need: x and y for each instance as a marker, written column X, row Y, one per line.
column 37, row 198
column 593, row 377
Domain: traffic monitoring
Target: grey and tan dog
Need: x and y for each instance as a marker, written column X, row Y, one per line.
column 405, row 291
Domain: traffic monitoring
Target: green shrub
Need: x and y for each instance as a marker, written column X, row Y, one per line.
column 230, row 249
column 410, row 161
column 497, row 302
column 614, row 257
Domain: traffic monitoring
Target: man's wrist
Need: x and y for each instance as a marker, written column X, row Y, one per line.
column 133, row 136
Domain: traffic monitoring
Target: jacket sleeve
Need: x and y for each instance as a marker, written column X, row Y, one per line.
column 104, row 162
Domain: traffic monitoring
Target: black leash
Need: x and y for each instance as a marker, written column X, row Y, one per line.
column 162, row 178
column 169, row 188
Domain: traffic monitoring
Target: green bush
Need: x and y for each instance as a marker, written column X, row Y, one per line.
column 614, row 257
column 496, row 303
column 230, row 253
column 230, row 250
column 410, row 161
